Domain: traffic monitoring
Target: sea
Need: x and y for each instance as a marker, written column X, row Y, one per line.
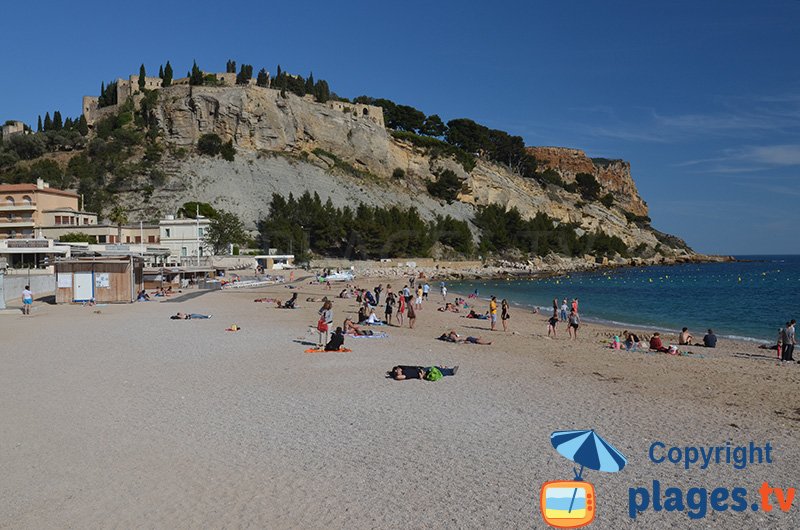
column 749, row 299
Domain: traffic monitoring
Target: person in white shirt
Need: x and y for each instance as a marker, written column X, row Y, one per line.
column 27, row 300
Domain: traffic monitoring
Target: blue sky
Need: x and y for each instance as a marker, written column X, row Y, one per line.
column 702, row 97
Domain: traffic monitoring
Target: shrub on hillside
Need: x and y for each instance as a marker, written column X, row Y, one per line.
column 209, row 144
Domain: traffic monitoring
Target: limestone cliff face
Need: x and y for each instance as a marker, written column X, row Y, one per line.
column 613, row 175
column 284, row 145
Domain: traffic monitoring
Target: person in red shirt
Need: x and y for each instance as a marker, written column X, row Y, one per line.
column 656, row 344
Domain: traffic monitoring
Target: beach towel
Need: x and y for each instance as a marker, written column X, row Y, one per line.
column 379, row 335
column 323, row 350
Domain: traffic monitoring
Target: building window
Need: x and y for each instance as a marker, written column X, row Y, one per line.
column 166, row 232
column 200, row 232
column 27, row 200
column 101, row 239
column 86, row 220
column 10, row 201
column 183, row 251
column 58, row 219
column 138, row 239
column 151, row 239
column 128, row 239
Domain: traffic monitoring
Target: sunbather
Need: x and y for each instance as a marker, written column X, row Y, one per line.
column 189, row 316
column 400, row 373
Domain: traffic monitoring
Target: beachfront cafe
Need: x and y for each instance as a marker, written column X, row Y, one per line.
column 31, row 253
column 157, row 278
column 99, row 279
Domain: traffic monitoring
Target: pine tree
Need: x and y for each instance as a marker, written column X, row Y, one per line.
column 141, row 77
column 230, row 66
column 278, row 75
column 68, row 124
column 196, row 77
column 310, row 83
column 48, row 123
column 101, row 101
column 322, row 93
column 83, row 127
column 39, row 124
column 167, row 75
column 161, row 71
column 263, row 78
column 57, row 123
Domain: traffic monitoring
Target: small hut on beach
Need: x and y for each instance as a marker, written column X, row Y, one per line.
column 102, row 280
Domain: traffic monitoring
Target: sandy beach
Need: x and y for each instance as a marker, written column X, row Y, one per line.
column 117, row 416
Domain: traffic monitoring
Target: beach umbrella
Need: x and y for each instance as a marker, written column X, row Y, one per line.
column 588, row 449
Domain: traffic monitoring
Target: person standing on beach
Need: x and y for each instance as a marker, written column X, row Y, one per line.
column 27, row 300
column 575, row 305
column 788, row 337
column 493, row 312
column 574, row 321
column 401, row 308
column 564, row 310
column 425, row 290
column 387, row 316
column 504, row 316
column 555, row 306
column 326, row 317
column 412, row 315
column 551, row 325
column 444, row 292
column 418, row 301
column 378, row 290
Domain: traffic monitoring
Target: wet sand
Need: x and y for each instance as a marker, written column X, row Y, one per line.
column 119, row 416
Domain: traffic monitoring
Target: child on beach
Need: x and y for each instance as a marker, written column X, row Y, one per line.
column 387, row 315
column 401, row 309
column 412, row 316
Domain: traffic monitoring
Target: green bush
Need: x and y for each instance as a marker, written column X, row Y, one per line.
column 398, row 173
column 209, row 144
column 438, row 148
column 607, row 200
column 227, row 151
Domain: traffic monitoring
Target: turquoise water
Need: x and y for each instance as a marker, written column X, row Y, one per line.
column 748, row 299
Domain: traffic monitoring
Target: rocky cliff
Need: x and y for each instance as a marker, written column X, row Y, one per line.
column 292, row 144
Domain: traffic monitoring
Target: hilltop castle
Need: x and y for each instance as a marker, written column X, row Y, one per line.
column 129, row 89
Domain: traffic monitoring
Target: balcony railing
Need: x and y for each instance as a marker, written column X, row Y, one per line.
column 21, row 207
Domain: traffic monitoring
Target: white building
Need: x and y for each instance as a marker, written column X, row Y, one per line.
column 185, row 238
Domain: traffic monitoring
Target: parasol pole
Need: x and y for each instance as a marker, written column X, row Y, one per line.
column 578, row 476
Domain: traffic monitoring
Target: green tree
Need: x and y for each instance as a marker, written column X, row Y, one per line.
column 161, row 71
column 230, row 66
column 142, row 75
column 263, row 78
column 196, row 76
column 322, row 93
column 225, row 229
column 48, row 123
column 588, row 186
column 39, row 124
column 227, row 151
column 167, row 79
column 433, row 126
column 607, row 200
column 57, row 123
column 191, row 209
column 82, row 126
column 119, row 217
column 245, row 74
column 446, row 186
column 310, row 83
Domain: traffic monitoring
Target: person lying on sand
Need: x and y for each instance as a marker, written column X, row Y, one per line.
column 401, row 373
column 452, row 336
column 473, row 314
column 189, row 316
column 449, row 307
column 265, row 300
column 352, row 329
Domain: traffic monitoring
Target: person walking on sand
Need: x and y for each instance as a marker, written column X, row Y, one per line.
column 551, row 325
column 564, row 307
column 27, row 300
column 493, row 312
column 504, row 315
column 574, row 322
column 425, row 290
column 418, row 301
column 788, row 340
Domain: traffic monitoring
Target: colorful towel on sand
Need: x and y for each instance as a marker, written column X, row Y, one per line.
column 318, row 350
column 379, row 335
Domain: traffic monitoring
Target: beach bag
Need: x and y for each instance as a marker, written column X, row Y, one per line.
column 322, row 326
column 433, row 374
